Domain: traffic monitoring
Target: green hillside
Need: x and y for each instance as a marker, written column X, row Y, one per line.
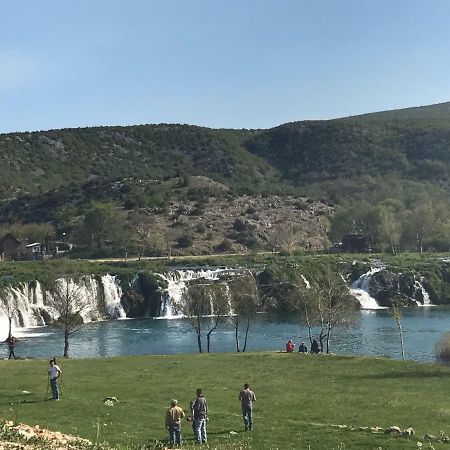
column 410, row 144
column 391, row 166
column 41, row 161
column 335, row 158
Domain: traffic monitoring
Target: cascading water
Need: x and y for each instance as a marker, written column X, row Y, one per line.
column 360, row 290
column 30, row 304
column 418, row 286
column 112, row 294
column 178, row 282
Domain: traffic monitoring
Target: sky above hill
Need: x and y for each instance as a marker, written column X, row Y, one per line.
column 230, row 63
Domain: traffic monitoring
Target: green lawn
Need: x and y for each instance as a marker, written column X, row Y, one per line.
column 299, row 397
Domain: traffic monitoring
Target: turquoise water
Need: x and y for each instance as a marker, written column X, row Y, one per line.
column 375, row 333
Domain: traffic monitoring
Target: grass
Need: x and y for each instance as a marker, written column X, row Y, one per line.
column 298, row 399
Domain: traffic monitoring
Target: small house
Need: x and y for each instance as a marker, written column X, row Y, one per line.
column 34, row 251
column 9, row 247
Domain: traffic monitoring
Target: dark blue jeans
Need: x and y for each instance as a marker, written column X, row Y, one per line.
column 175, row 433
column 54, row 386
column 247, row 414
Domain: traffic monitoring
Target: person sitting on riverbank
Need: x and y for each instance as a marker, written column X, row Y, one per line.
column 303, row 348
column 290, row 346
column 315, row 347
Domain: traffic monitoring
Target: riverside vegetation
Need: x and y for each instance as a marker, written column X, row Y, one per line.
column 162, row 189
column 301, row 399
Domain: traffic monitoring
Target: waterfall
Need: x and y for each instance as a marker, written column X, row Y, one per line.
column 30, row 304
column 178, row 282
column 112, row 293
column 418, row 286
column 360, row 290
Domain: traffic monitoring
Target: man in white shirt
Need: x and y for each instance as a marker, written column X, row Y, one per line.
column 54, row 372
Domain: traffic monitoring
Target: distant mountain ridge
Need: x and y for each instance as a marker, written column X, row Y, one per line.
column 321, row 158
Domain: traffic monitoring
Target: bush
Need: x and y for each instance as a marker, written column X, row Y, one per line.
column 185, row 241
column 442, row 349
column 224, row 246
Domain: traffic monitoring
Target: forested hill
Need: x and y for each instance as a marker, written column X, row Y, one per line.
column 41, row 161
column 343, row 156
column 334, row 159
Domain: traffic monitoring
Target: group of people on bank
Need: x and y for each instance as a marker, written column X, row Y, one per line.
column 290, row 347
column 199, row 416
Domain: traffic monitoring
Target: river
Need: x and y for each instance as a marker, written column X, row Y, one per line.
column 374, row 334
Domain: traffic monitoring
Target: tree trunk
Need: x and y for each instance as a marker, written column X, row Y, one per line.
column 66, row 344
column 236, row 335
column 401, row 338
column 9, row 327
column 199, row 342
column 208, row 335
column 328, row 341
column 321, row 336
column 310, row 334
column 246, row 334
column 199, row 333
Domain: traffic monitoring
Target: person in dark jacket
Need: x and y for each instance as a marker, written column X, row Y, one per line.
column 303, row 348
column 315, row 347
column 200, row 412
column 11, row 341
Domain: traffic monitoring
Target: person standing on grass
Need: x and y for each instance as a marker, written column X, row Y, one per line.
column 173, row 422
column 200, row 410
column 247, row 397
column 11, row 344
column 54, row 372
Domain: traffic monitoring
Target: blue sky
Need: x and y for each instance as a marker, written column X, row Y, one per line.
column 229, row 63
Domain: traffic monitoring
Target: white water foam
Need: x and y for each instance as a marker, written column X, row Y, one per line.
column 360, row 290
column 32, row 304
column 178, row 281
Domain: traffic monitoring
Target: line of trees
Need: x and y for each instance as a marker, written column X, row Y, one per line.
column 423, row 224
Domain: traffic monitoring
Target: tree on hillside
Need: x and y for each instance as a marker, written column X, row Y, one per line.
column 142, row 237
column 102, row 222
column 283, row 238
column 427, row 218
column 31, row 232
column 244, row 298
column 69, row 304
column 390, row 229
column 328, row 305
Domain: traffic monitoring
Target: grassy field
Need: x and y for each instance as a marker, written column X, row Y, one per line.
column 299, row 397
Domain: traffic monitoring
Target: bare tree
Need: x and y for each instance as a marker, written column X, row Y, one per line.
column 142, row 236
column 218, row 294
column 195, row 306
column 329, row 305
column 283, row 238
column 68, row 302
column 244, row 305
column 395, row 311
